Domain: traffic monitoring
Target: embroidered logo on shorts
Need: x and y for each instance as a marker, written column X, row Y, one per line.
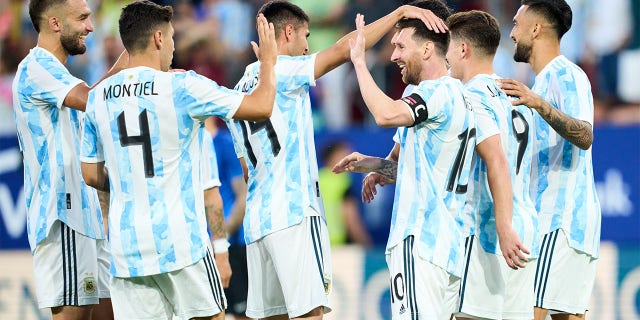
column 327, row 284
column 402, row 309
column 89, row 285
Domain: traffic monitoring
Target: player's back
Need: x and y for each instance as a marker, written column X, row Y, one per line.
column 48, row 133
column 563, row 188
column 433, row 174
column 148, row 123
column 280, row 152
column 495, row 115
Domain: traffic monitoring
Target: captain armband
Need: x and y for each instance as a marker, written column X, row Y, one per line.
column 417, row 107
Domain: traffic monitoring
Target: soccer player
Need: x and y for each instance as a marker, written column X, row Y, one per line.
column 434, row 141
column 234, row 193
column 563, row 187
column 64, row 222
column 288, row 253
column 142, row 124
column 213, row 206
column 500, row 220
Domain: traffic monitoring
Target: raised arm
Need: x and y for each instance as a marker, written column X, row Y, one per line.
column 386, row 111
column 576, row 131
column 330, row 58
column 258, row 105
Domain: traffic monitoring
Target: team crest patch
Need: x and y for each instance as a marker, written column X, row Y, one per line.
column 89, row 285
column 327, row 284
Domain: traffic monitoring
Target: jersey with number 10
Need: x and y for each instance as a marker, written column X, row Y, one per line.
column 280, row 152
column 49, row 139
column 496, row 116
column 146, row 125
column 563, row 185
column 433, row 173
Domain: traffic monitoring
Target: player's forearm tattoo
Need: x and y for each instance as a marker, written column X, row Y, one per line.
column 578, row 132
column 388, row 169
column 215, row 221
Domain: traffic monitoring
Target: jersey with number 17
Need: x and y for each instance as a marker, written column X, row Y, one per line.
column 279, row 152
column 146, row 126
column 433, row 174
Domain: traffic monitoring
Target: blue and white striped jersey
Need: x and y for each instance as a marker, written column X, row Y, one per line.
column 145, row 124
column 280, row 152
column 433, row 173
column 562, row 183
column 49, row 135
column 210, row 174
column 496, row 116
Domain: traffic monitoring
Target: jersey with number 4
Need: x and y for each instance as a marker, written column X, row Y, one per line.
column 146, row 126
column 563, row 186
column 496, row 116
column 279, row 152
column 48, row 133
column 433, row 173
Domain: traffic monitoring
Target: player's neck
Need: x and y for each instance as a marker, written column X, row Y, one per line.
column 54, row 46
column 144, row 60
column 476, row 67
column 542, row 54
column 434, row 69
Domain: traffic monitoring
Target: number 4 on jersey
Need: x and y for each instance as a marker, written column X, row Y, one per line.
column 143, row 140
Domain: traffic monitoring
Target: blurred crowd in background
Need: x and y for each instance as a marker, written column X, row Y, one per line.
column 212, row 38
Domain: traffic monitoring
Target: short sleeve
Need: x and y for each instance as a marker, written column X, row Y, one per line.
column 91, row 150
column 204, row 97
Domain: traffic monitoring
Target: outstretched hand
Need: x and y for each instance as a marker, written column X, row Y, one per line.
column 358, row 45
column 267, row 51
column 346, row 163
column 431, row 21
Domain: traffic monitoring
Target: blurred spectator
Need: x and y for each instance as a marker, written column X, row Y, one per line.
column 341, row 200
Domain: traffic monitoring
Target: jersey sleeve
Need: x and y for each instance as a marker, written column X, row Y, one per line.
column 572, row 95
column 49, row 81
column 210, row 175
column 487, row 124
column 429, row 98
column 204, row 97
column 91, row 150
column 237, row 138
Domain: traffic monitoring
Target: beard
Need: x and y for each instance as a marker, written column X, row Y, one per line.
column 71, row 44
column 523, row 53
column 411, row 77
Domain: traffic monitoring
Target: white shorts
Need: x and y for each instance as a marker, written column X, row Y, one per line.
column 290, row 271
column 419, row 289
column 193, row 291
column 70, row 269
column 489, row 289
column 564, row 277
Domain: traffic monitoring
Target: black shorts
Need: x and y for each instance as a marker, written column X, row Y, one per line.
column 239, row 285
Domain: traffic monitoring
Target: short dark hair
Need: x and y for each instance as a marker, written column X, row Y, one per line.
column 556, row 12
column 441, row 40
column 139, row 20
column 38, row 7
column 281, row 13
column 481, row 29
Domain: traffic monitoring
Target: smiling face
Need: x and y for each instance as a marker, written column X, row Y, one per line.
column 407, row 53
column 76, row 26
column 522, row 23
